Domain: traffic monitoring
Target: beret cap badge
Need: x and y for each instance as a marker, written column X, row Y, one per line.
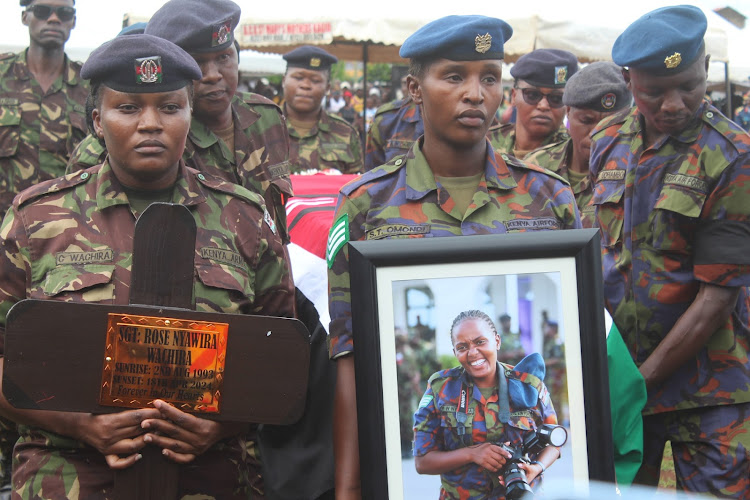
column 673, row 61
column 222, row 33
column 315, row 62
column 148, row 70
column 561, row 74
column 482, row 43
column 609, row 101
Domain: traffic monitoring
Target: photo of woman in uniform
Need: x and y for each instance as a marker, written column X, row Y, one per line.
column 469, row 411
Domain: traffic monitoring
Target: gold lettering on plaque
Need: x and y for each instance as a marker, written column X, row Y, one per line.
column 178, row 360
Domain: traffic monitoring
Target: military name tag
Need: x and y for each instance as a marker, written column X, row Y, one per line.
column 178, row 360
column 611, row 175
column 397, row 230
column 686, row 181
column 541, row 223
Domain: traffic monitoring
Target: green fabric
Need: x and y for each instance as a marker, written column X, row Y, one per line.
column 627, row 397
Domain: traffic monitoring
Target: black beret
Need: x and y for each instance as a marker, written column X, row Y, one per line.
column 545, row 67
column 141, row 63
column 458, row 38
column 599, row 86
column 196, row 25
column 665, row 41
column 309, row 57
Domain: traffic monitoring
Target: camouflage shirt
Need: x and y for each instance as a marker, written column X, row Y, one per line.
column 503, row 137
column 394, row 129
column 259, row 162
column 401, row 199
column 87, row 214
column 38, row 130
column 332, row 143
column 673, row 216
column 436, row 428
column 557, row 157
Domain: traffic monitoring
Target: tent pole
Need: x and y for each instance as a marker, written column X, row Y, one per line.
column 366, row 93
column 728, row 83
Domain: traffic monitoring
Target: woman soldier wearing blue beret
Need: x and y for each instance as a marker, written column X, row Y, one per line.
column 450, row 183
column 506, row 405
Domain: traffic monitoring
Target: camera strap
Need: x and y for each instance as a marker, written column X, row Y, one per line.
column 503, row 396
column 462, row 411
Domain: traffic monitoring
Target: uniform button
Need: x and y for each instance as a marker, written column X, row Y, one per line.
column 84, row 176
column 710, row 114
column 202, row 177
column 398, row 162
column 504, row 157
column 507, row 373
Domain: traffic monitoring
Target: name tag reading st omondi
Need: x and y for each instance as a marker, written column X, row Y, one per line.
column 178, row 360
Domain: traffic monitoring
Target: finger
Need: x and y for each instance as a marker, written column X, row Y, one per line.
column 125, row 446
column 168, row 443
column 180, row 458
column 117, row 462
column 180, row 418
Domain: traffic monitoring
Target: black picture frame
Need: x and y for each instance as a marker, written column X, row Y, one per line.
column 374, row 265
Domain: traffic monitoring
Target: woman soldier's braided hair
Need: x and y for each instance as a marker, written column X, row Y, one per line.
column 473, row 314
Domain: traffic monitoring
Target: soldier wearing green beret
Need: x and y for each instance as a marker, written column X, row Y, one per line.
column 319, row 140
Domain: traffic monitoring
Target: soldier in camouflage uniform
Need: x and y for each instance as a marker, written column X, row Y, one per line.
column 394, row 129
column 42, row 114
column 510, row 349
column 92, row 215
column 240, row 137
column 540, row 78
column 593, row 93
column 672, row 203
column 450, row 183
column 460, row 441
column 319, row 141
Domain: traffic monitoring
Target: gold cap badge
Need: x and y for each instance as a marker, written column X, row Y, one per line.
column 673, row 61
column 314, row 62
column 482, row 43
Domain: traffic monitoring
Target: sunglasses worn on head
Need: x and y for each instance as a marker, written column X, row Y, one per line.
column 534, row 97
column 42, row 12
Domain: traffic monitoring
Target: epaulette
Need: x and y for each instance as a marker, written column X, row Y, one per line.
column 617, row 118
column 256, row 99
column 443, row 374
column 512, row 160
column 339, row 119
column 376, row 173
column 390, row 106
column 218, row 184
column 6, row 61
column 54, row 185
column 733, row 133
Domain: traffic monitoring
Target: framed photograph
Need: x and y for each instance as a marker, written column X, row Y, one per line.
column 543, row 292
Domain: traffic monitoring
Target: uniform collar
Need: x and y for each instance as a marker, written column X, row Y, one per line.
column 633, row 126
column 323, row 124
column 242, row 116
column 69, row 75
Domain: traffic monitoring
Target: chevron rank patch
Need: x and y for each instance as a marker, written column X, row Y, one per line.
column 426, row 400
column 337, row 238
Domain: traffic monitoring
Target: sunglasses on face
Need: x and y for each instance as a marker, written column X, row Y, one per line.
column 42, row 12
column 534, row 97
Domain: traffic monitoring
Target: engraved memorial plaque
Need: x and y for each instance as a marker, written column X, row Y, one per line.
column 180, row 361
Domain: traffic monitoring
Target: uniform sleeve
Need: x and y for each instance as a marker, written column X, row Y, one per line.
column 14, row 267
column 375, row 151
column 355, row 146
column 566, row 207
column 426, row 425
column 546, row 410
column 87, row 153
column 721, row 256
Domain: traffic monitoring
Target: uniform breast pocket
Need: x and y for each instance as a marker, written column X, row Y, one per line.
column 609, row 209
column 335, row 153
column 87, row 282
column 673, row 220
column 10, row 129
column 455, row 435
column 224, row 288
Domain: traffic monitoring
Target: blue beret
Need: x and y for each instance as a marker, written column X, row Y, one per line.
column 545, row 67
column 664, row 41
column 599, row 86
column 309, row 57
column 141, row 63
column 526, row 380
column 458, row 38
column 196, row 25
column 133, row 29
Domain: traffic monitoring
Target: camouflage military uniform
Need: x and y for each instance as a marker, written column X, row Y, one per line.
column 394, row 129
column 332, row 143
column 259, row 161
column 557, row 157
column 436, row 428
column 83, row 214
column 673, row 216
column 38, row 130
column 402, row 200
column 503, row 137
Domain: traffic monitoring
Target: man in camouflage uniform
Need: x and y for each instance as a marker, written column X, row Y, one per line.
column 511, row 349
column 672, row 203
column 466, row 189
column 239, row 137
column 42, row 114
column 92, row 215
column 319, row 141
column 593, row 93
column 394, row 129
column 540, row 78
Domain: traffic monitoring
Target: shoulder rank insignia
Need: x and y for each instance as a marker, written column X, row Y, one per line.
column 221, row 34
column 673, row 61
column 337, row 238
column 148, row 70
column 482, row 43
